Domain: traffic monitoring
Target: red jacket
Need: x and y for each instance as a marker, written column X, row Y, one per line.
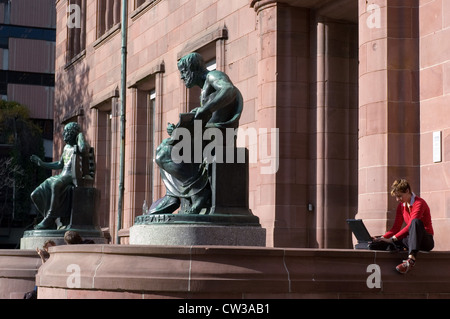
column 419, row 210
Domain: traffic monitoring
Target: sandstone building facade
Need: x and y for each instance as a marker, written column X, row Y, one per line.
column 356, row 90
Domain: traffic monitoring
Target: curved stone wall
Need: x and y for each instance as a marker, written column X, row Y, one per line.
column 18, row 269
column 113, row 271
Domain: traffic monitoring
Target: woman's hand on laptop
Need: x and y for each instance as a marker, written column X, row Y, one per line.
column 386, row 240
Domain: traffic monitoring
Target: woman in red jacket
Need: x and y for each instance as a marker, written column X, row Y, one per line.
column 418, row 232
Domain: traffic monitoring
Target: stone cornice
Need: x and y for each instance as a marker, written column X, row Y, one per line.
column 145, row 73
column 204, row 39
column 312, row 4
column 261, row 4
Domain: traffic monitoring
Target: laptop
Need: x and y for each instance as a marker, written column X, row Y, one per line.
column 361, row 233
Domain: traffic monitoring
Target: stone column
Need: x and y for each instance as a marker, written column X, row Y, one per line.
column 266, row 108
column 283, row 104
column 388, row 105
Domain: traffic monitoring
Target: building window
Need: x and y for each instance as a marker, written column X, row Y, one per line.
column 106, row 154
column 145, row 149
column 108, row 15
column 138, row 3
column 104, row 163
column 76, row 28
column 151, row 145
column 211, row 65
column 193, row 94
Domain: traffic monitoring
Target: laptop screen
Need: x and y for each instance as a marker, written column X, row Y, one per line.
column 359, row 230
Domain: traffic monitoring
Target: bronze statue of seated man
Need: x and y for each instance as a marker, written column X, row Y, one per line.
column 220, row 108
column 52, row 197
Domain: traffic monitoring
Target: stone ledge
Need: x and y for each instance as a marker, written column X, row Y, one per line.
column 18, row 269
column 236, row 272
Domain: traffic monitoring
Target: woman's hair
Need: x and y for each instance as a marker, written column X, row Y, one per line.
column 400, row 186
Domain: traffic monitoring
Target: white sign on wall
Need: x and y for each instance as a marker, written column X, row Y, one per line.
column 437, row 154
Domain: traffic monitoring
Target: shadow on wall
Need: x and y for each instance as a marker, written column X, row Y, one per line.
column 72, row 98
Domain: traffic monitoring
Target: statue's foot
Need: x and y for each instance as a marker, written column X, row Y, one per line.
column 201, row 201
column 165, row 205
column 47, row 223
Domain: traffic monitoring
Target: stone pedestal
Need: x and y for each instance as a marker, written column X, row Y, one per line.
column 85, row 201
column 229, row 184
column 195, row 230
column 229, row 222
column 197, row 235
column 33, row 239
column 83, row 219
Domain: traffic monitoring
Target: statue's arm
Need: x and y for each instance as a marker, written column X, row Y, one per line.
column 48, row 165
column 223, row 92
column 83, row 145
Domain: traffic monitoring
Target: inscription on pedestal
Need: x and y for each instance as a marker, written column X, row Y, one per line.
column 150, row 219
column 223, row 220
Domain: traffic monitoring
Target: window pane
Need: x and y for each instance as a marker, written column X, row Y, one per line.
column 139, row 3
column 211, row 65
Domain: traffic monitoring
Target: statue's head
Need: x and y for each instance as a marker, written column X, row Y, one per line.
column 193, row 69
column 71, row 132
